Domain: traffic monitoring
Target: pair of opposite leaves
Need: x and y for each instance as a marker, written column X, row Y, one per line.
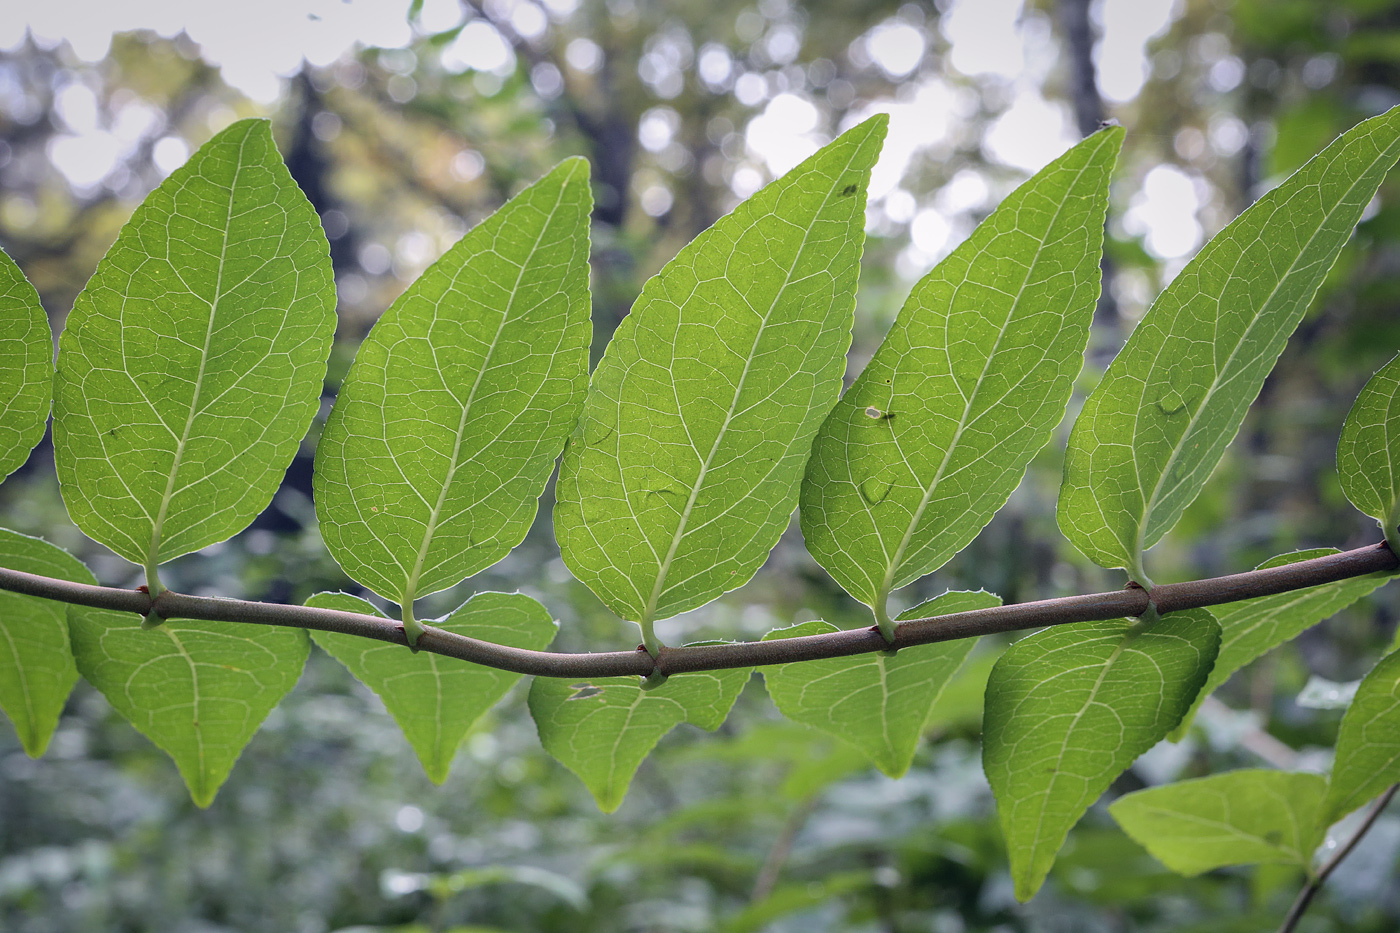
column 184, row 384
column 1069, row 709
column 892, row 566
column 191, row 365
column 188, row 372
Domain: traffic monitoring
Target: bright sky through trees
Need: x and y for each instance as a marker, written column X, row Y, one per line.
column 260, row 43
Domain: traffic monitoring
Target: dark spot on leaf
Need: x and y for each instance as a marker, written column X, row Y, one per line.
column 584, row 691
column 850, row 189
column 597, row 428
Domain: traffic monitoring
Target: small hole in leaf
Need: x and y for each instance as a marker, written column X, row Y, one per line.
column 585, row 691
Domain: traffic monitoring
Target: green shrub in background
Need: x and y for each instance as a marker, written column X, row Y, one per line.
column 190, row 367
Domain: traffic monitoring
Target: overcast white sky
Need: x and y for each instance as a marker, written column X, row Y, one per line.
column 258, row 43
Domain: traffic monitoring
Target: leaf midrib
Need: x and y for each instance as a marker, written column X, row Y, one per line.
column 1343, row 804
column 892, row 568
column 411, row 586
column 637, row 701
column 1270, row 617
column 1064, row 745
column 158, row 525
column 195, row 724
column 1230, row 830
column 1143, row 521
column 18, row 670
column 658, row 588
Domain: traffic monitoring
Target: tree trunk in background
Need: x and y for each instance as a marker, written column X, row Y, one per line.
column 1088, row 117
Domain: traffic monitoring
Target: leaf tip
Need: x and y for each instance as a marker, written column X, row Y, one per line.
column 203, row 791
column 879, row 122
column 608, row 798
column 1028, row 880
column 33, row 743
column 437, row 770
column 573, row 164
column 873, row 129
column 248, row 126
column 892, row 767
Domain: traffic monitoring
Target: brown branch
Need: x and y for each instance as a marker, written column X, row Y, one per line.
column 1129, row 602
column 1314, row 884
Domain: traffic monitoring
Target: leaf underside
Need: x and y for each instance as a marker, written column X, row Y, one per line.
column 434, row 699
column 1237, row 818
column 36, row 664
column 459, row 400
column 935, row 434
column 602, row 729
column 1251, row 628
column 684, row 468
column 1368, row 453
column 1156, row 425
column 193, row 360
column 198, row 690
column 1368, row 743
column 26, row 367
column 1070, row 708
column 878, row 704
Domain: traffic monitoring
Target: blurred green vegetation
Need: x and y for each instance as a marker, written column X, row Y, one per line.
column 329, row 824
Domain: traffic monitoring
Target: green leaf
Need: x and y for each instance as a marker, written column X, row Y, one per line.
column 435, row 699
column 960, row 704
column 877, row 703
column 684, row 468
column 1236, row 818
column 459, row 400
column 192, row 362
column 602, row 729
column 1251, row 628
column 1368, row 454
column 26, row 367
column 36, row 663
column 1368, row 744
column 935, row 434
column 1155, row 427
column 198, row 690
column 1069, row 708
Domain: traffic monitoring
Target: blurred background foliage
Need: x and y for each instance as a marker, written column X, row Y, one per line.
column 684, row 108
